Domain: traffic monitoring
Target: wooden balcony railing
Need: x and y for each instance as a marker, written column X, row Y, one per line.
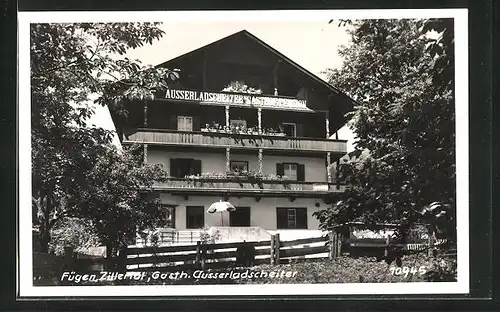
column 243, row 186
column 214, row 139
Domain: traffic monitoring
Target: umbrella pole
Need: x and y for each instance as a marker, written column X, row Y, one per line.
column 221, row 218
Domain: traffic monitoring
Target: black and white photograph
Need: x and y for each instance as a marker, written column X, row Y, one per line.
column 243, row 152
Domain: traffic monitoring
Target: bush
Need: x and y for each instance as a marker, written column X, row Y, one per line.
column 74, row 232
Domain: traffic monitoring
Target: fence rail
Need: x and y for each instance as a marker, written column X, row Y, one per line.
column 203, row 254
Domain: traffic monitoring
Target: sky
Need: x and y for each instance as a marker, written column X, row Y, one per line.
column 313, row 44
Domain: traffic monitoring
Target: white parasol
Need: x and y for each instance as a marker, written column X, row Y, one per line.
column 221, row 206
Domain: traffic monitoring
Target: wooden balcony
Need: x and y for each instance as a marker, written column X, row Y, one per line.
column 272, row 187
column 240, row 141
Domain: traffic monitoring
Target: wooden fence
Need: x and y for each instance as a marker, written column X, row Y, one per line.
column 201, row 255
column 272, row 252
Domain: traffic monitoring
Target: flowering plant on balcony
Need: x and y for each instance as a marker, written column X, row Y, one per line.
column 238, row 176
column 272, row 131
column 240, row 87
column 215, row 127
column 233, row 129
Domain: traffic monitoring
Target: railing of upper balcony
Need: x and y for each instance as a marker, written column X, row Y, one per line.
column 214, row 139
column 234, row 185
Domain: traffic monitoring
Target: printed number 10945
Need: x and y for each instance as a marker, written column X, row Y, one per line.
column 408, row 270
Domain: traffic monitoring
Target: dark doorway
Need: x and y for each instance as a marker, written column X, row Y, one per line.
column 240, row 217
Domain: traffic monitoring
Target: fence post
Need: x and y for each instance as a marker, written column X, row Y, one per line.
column 430, row 240
column 273, row 249
column 122, row 259
column 338, row 244
column 332, row 244
column 68, row 258
column 386, row 249
column 277, row 245
column 198, row 254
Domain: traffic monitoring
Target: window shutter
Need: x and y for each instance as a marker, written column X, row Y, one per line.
column 196, row 123
column 301, row 172
column 280, row 169
column 196, row 166
column 301, row 215
column 299, row 130
column 281, row 218
column 173, row 122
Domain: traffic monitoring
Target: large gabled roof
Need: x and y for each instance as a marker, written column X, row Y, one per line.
column 270, row 49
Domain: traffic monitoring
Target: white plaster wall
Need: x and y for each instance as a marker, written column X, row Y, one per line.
column 216, row 162
column 262, row 213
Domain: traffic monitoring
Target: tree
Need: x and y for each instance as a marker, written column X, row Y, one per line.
column 118, row 198
column 404, row 124
column 70, row 65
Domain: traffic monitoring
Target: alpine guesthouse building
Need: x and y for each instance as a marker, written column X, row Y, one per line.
column 243, row 124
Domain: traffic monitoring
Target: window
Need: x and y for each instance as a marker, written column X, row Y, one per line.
column 169, row 216
column 289, row 129
column 290, row 170
column 291, row 218
column 238, row 166
column 184, row 123
column 240, row 217
column 182, row 167
column 293, row 171
column 195, row 217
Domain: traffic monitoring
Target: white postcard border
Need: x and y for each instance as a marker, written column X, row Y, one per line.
column 24, row 259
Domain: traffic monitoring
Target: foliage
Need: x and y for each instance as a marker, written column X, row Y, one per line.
column 118, row 197
column 73, row 232
column 71, row 64
column 239, row 176
column 240, row 87
column 404, row 125
column 442, row 49
column 209, row 237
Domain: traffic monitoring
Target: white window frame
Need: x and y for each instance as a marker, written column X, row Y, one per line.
column 181, row 123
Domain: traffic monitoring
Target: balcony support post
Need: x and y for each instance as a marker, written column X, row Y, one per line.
column 260, row 160
column 227, row 116
column 145, row 153
column 328, row 172
column 259, row 119
column 228, row 159
column 327, row 125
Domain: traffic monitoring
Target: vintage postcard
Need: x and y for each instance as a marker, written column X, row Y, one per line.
column 227, row 153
